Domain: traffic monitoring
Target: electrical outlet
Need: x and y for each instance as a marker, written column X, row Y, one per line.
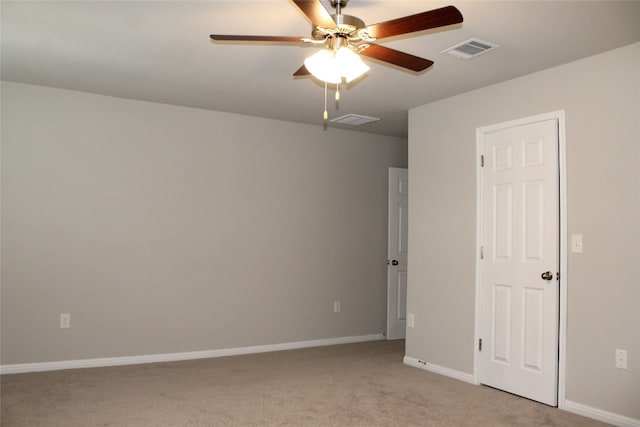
column 411, row 320
column 337, row 306
column 621, row 359
column 65, row 320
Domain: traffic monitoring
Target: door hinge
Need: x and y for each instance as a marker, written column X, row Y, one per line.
column 482, row 160
column 481, row 252
column 480, row 344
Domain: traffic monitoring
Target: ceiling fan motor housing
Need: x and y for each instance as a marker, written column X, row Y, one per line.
column 345, row 25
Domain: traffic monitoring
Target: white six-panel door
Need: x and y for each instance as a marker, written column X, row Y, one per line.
column 518, row 282
column 397, row 254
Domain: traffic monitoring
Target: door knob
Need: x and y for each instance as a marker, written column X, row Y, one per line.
column 547, row 275
column 394, row 262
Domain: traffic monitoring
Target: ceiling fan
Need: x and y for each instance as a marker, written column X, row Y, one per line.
column 345, row 37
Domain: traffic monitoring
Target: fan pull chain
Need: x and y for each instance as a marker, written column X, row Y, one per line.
column 326, row 115
column 337, row 91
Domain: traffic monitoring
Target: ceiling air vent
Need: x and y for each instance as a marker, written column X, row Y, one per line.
column 354, row 120
column 470, row 49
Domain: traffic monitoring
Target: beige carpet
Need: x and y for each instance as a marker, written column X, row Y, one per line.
column 362, row 384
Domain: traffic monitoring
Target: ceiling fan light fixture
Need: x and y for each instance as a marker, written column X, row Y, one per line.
column 332, row 66
column 349, row 64
column 322, row 66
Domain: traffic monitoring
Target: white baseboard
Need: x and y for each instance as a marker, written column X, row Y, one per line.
column 448, row 372
column 172, row 357
column 599, row 414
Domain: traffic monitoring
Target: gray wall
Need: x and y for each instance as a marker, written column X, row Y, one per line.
column 601, row 97
column 165, row 229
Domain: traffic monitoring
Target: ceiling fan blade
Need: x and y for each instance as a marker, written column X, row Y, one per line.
column 302, row 71
column 395, row 57
column 228, row 37
column 421, row 21
column 316, row 13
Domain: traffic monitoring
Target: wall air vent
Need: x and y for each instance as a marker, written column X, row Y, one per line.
column 354, row 120
column 470, row 49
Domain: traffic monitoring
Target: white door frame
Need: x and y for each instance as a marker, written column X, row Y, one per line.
column 562, row 168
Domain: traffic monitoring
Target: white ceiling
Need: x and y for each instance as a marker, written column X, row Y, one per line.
column 161, row 52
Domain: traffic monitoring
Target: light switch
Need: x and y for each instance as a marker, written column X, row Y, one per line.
column 576, row 243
